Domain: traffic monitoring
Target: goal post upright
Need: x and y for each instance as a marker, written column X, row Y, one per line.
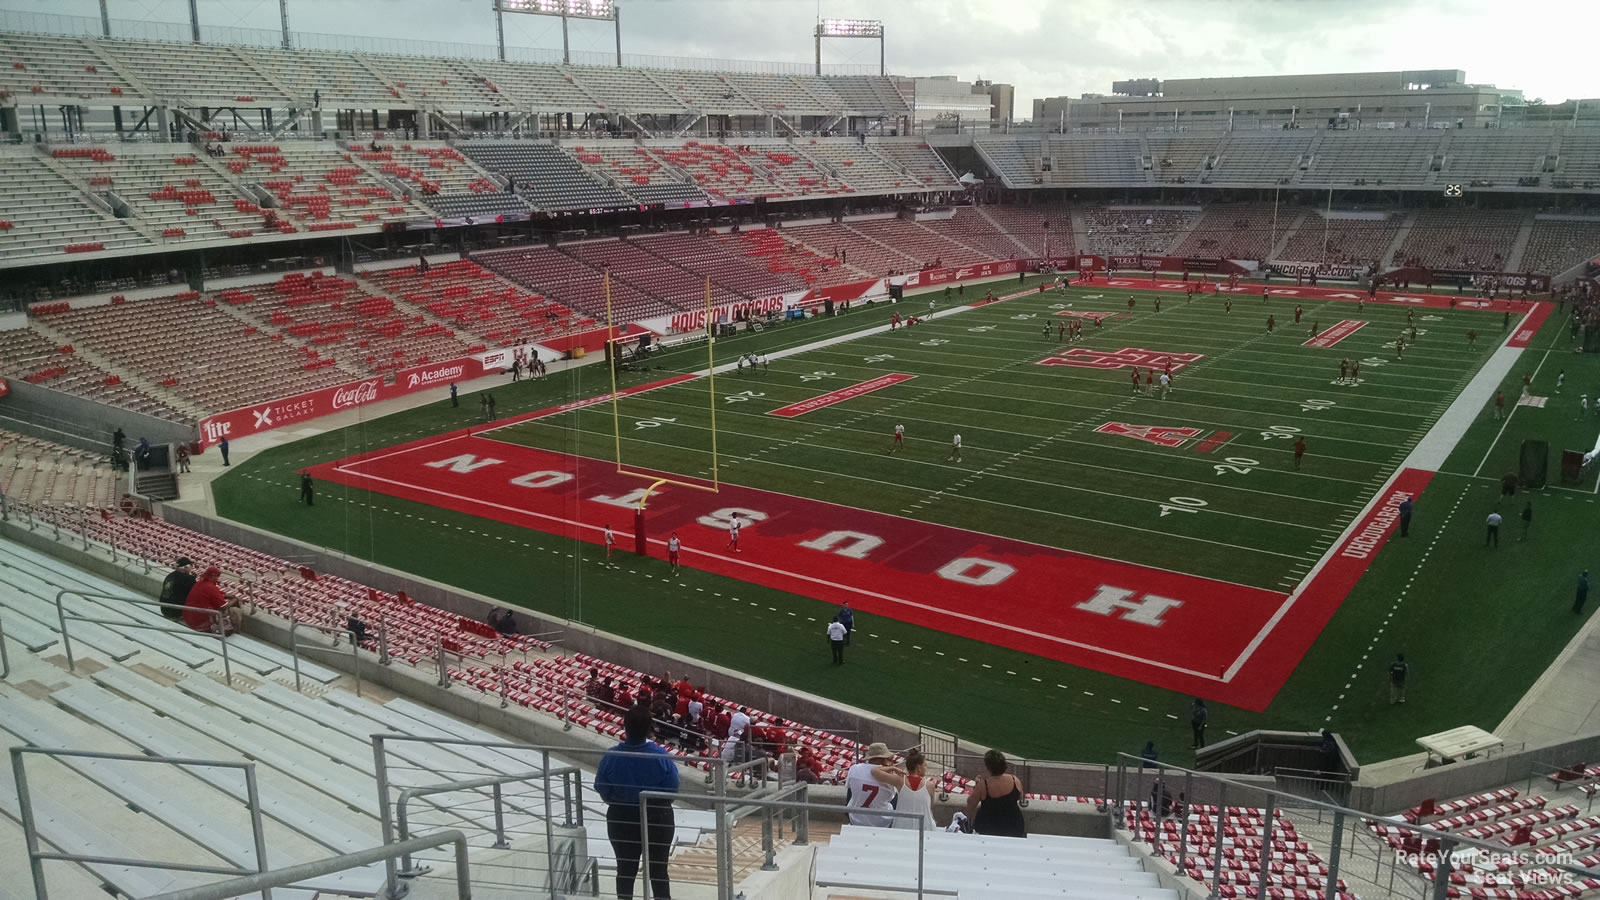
column 656, row 479
column 711, row 384
column 611, row 364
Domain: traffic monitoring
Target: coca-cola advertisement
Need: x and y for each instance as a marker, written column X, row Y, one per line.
column 238, row 423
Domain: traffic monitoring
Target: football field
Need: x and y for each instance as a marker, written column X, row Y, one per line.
column 1168, row 536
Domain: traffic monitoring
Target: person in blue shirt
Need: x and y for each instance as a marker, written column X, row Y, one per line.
column 638, row 764
column 847, row 618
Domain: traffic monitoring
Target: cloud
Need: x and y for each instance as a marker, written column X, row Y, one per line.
column 1044, row 47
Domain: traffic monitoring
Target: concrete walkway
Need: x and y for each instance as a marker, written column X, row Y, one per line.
column 1565, row 702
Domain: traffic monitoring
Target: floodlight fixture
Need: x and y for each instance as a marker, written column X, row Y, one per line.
column 871, row 29
column 866, row 28
column 597, row 10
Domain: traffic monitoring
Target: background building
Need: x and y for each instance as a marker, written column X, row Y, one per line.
column 1438, row 98
column 1002, row 101
column 943, row 102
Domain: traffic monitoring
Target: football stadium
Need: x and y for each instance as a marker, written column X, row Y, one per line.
column 448, row 470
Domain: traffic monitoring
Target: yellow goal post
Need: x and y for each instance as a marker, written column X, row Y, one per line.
column 656, row 479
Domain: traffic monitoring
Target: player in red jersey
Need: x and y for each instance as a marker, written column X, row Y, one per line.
column 1299, row 451
column 1130, row 303
column 1134, row 374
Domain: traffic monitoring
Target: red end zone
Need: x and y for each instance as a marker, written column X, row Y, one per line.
column 1168, row 629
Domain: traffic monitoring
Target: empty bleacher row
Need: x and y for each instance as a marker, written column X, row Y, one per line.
column 1461, row 239
column 517, row 664
column 30, row 355
column 105, row 69
column 1191, row 836
column 885, row 862
column 192, row 348
column 145, row 692
column 43, row 214
column 34, row 470
column 177, row 194
column 1556, row 245
column 1236, row 231
column 1396, row 158
column 478, row 302
column 1534, row 830
column 1153, row 231
column 1341, row 240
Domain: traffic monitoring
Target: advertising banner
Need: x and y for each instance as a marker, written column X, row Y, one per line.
column 248, row 420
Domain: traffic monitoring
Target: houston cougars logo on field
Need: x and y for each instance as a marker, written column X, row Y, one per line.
column 1164, row 435
column 1136, row 357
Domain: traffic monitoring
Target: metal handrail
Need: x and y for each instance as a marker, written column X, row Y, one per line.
column 5, row 655
column 66, row 640
column 295, row 648
column 725, row 886
column 495, row 781
column 283, row 877
column 1447, row 842
column 30, row 830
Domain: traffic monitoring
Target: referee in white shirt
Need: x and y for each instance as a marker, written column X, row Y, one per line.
column 836, row 635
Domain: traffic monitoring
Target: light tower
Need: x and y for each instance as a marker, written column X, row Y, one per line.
column 599, row 10
column 851, row 28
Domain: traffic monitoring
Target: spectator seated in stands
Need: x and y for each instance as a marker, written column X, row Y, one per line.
column 503, row 621
column 356, row 628
column 175, row 589
column 206, row 597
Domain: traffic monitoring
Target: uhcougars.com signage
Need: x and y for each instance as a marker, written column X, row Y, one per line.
column 249, row 420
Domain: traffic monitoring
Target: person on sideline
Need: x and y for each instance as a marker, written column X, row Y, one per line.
column 871, row 788
column 1398, row 670
column 994, row 803
column 917, row 794
column 1197, row 722
column 1577, row 603
column 638, row 764
column 836, row 635
column 847, row 618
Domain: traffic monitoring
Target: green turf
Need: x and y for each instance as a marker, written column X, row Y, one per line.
column 1080, row 490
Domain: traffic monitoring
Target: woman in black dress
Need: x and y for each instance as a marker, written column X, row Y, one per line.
column 994, row 804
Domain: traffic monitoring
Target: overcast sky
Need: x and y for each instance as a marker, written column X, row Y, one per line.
column 1044, row 47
